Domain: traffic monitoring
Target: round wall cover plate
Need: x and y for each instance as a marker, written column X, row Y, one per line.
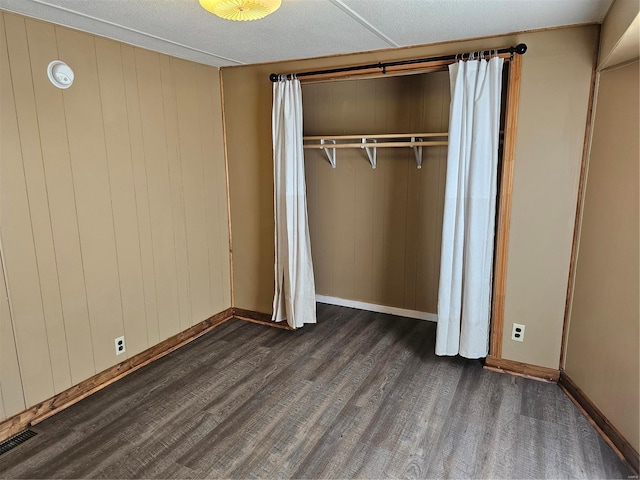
column 60, row 74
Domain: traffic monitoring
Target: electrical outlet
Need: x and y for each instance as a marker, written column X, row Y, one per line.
column 119, row 345
column 517, row 332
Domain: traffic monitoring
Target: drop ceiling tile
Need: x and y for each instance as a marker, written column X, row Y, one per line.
column 411, row 22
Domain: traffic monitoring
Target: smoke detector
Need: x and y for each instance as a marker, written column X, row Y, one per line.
column 60, row 74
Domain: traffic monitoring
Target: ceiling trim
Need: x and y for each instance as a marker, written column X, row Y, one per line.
column 353, row 14
column 122, row 28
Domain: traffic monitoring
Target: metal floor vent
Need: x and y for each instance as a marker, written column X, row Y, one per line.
column 16, row 440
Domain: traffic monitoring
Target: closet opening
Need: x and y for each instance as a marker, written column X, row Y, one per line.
column 374, row 209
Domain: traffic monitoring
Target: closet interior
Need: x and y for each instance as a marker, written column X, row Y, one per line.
column 375, row 162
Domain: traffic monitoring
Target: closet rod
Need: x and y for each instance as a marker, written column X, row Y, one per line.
column 520, row 49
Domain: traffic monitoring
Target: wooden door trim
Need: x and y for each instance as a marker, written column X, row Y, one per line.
column 504, row 208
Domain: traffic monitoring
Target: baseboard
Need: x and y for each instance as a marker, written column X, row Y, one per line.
column 45, row 409
column 601, row 423
column 373, row 307
column 257, row 317
column 523, row 369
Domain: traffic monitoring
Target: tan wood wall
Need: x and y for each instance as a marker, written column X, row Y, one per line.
column 113, row 214
column 556, row 80
column 375, row 234
column 602, row 347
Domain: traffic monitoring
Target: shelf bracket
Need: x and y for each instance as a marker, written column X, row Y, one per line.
column 417, row 151
column 330, row 152
column 371, row 151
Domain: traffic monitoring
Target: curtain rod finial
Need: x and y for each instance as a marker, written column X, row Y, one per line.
column 521, row 48
column 273, row 77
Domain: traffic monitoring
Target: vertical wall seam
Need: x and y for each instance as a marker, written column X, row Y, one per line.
column 13, row 328
column 219, row 211
column 355, row 196
column 33, row 240
column 443, row 153
column 146, row 185
column 422, row 123
column 106, row 159
column 384, row 291
column 46, row 187
column 407, row 162
column 173, row 229
column 181, row 190
column 228, row 192
column 135, row 193
column 75, row 204
column 204, row 190
column 2, row 266
column 582, row 187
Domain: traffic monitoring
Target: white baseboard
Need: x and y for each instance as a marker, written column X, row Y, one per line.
column 372, row 307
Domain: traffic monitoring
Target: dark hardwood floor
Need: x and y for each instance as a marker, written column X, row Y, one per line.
column 359, row 395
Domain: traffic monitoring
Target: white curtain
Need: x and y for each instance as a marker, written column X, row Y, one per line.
column 295, row 291
column 466, row 266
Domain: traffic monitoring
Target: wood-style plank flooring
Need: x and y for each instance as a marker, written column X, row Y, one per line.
column 359, row 395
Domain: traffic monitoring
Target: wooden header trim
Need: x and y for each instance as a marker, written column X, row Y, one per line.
column 408, row 65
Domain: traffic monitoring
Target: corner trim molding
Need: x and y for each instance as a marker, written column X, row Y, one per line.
column 577, row 223
column 373, row 307
column 601, row 423
column 16, row 423
column 522, row 369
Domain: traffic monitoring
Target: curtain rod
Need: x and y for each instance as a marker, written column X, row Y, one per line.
column 520, row 49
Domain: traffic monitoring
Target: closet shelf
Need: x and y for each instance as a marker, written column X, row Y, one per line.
column 370, row 143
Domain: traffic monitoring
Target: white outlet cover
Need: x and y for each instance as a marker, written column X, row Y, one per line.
column 120, row 346
column 60, row 74
column 517, row 329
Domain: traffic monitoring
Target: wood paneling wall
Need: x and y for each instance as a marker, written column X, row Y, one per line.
column 602, row 343
column 113, row 214
column 375, row 234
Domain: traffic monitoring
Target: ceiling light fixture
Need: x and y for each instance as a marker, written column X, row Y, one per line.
column 241, row 10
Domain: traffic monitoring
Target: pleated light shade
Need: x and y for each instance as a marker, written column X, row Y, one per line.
column 241, row 10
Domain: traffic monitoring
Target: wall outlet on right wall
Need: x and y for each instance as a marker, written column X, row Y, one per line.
column 517, row 332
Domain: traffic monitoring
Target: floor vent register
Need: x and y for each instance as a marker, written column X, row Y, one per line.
column 16, row 440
